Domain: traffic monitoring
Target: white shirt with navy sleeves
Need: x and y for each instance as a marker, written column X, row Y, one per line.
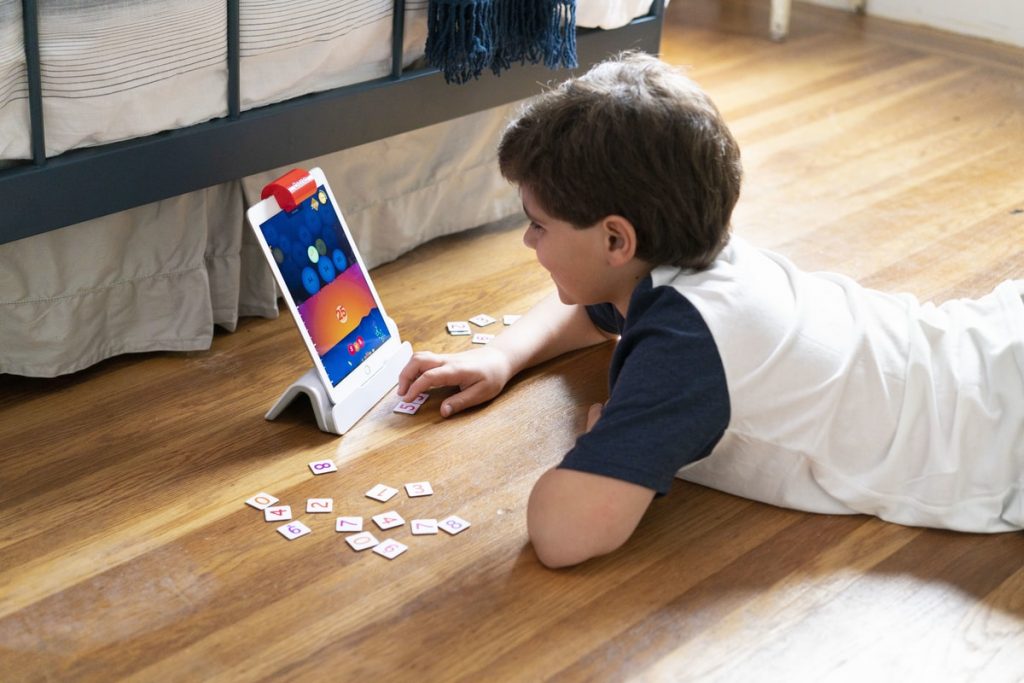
column 809, row 391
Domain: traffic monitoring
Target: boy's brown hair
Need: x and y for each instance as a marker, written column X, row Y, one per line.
column 632, row 137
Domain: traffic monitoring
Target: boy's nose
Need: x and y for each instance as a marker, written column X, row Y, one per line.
column 529, row 238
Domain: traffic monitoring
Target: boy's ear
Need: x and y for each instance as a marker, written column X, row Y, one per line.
column 620, row 240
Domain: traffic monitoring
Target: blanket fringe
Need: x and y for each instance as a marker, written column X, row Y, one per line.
column 466, row 36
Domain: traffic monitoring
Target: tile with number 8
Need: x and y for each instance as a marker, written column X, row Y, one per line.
column 323, row 466
column 453, row 524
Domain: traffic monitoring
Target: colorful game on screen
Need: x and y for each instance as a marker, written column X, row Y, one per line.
column 327, row 284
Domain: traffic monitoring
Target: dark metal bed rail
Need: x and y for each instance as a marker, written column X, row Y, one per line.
column 81, row 184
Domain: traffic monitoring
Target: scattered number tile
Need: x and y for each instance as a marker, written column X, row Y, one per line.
column 419, row 488
column 510, row 319
column 361, row 541
column 261, row 501
column 277, row 513
column 293, row 530
column 388, row 520
column 382, row 493
column 420, row 399
column 459, row 328
column 323, row 466
column 319, row 505
column 390, row 549
column 423, row 527
column 453, row 524
column 348, row 524
column 480, row 338
column 407, row 408
column 482, row 320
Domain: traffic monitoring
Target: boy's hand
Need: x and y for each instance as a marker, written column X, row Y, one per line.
column 593, row 415
column 480, row 374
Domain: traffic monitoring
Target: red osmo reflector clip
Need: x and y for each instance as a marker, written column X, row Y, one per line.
column 291, row 189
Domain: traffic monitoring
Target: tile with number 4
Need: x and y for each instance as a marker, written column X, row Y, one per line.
column 388, row 520
column 390, row 548
column 423, row 527
column 362, row 541
column 277, row 513
column 323, row 466
column 261, row 501
column 319, row 505
column 453, row 524
column 293, row 530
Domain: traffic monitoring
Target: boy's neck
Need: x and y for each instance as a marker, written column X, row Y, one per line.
column 632, row 274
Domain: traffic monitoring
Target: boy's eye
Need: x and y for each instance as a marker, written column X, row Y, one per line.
column 534, row 226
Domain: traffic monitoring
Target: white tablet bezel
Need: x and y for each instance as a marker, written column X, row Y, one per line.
column 361, row 374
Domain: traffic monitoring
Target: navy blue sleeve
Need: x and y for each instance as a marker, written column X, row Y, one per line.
column 669, row 402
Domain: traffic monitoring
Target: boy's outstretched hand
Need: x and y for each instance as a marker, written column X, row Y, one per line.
column 480, row 375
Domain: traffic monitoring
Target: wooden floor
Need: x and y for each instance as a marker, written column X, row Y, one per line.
column 889, row 153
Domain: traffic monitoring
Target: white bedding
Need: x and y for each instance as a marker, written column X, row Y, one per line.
column 160, row 276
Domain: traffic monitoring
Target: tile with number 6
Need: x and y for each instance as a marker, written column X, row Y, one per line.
column 293, row 530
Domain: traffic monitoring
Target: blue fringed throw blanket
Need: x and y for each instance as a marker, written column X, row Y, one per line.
column 466, row 36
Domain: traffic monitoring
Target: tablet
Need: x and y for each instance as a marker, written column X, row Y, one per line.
column 326, row 286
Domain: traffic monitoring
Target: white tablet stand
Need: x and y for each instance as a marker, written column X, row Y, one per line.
column 338, row 418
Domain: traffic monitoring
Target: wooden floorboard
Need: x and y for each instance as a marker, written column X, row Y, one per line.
column 887, row 152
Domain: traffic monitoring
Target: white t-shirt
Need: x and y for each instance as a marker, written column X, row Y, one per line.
column 844, row 399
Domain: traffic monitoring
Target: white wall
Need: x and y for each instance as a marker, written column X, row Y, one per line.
column 999, row 20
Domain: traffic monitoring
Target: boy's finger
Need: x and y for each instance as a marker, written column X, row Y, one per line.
column 439, row 376
column 467, row 398
column 593, row 415
column 420, row 362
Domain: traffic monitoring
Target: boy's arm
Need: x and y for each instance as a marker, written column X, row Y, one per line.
column 573, row 516
column 549, row 329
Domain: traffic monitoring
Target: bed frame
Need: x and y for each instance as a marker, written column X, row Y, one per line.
column 97, row 181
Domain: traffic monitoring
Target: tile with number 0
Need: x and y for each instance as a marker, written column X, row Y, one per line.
column 388, row 520
column 453, row 524
column 407, row 408
column 323, row 466
column 293, row 530
column 390, row 548
column 319, row 505
column 419, row 488
column 362, row 541
column 481, row 338
column 381, row 492
column 459, row 328
column 261, row 501
column 277, row 513
column 482, row 320
column 348, row 524
column 423, row 527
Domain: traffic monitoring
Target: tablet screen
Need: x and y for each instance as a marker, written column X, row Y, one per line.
column 326, row 283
